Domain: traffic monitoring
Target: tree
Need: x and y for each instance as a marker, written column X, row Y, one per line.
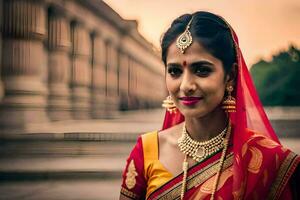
column 277, row 81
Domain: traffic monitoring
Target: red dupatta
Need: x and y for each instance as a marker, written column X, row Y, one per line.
column 249, row 115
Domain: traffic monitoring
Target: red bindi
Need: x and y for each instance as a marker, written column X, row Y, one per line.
column 184, row 63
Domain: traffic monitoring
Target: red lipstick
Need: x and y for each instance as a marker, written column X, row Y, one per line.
column 189, row 101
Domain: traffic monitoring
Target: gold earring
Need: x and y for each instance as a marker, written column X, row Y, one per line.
column 169, row 104
column 229, row 103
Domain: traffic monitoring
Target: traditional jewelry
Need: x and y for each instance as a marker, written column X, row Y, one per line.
column 169, row 104
column 185, row 167
column 198, row 151
column 229, row 103
column 185, row 39
column 222, row 159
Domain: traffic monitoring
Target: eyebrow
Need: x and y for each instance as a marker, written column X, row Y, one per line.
column 173, row 65
column 202, row 62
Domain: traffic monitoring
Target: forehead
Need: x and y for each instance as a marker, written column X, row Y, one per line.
column 195, row 52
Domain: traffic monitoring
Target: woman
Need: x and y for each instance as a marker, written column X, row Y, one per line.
column 216, row 141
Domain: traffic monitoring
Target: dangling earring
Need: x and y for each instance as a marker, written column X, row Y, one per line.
column 229, row 103
column 169, row 104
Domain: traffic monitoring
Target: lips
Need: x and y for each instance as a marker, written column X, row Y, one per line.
column 189, row 101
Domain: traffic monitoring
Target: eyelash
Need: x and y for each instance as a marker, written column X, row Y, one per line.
column 174, row 71
column 202, row 71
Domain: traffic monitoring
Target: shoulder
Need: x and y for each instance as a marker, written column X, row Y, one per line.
column 170, row 135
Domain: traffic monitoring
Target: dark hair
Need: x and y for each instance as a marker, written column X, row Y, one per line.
column 208, row 29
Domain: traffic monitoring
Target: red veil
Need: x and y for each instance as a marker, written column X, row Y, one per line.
column 249, row 115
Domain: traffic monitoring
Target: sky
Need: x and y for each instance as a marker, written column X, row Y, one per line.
column 264, row 27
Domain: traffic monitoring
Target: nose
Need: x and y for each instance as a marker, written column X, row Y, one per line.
column 188, row 85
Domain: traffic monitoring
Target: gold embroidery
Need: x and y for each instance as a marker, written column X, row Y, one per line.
column 237, row 194
column 130, row 175
column 276, row 161
column 238, row 160
column 267, row 143
column 282, row 175
column 265, row 177
column 128, row 193
column 195, row 179
column 244, row 149
column 207, row 187
column 256, row 160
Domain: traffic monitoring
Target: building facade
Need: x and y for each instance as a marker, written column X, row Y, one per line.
column 73, row 59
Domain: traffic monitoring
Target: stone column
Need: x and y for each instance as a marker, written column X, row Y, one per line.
column 23, row 63
column 133, row 103
column 58, row 65
column 144, row 90
column 123, row 80
column 98, row 77
column 1, row 27
column 80, row 71
column 112, row 101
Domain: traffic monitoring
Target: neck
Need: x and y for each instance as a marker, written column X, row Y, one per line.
column 207, row 127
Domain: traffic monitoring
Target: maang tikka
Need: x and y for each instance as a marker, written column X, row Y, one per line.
column 185, row 39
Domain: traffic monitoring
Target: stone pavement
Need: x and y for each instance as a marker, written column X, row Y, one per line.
column 61, row 190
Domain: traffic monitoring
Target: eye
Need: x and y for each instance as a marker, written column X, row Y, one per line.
column 174, row 71
column 202, row 70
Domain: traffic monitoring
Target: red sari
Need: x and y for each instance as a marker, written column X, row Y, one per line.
column 257, row 166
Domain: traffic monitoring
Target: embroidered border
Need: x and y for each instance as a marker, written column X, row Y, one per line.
column 195, row 179
column 128, row 193
column 285, row 171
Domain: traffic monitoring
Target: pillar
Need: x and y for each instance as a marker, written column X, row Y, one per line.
column 23, row 64
column 133, row 100
column 80, row 71
column 123, row 80
column 58, row 65
column 1, row 27
column 98, row 77
column 112, row 99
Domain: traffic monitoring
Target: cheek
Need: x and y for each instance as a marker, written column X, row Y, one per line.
column 172, row 84
column 214, row 90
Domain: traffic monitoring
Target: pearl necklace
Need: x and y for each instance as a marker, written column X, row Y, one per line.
column 200, row 150
column 185, row 165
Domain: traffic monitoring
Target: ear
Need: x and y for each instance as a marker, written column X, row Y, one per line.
column 231, row 76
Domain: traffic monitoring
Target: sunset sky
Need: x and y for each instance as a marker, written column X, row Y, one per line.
column 264, row 27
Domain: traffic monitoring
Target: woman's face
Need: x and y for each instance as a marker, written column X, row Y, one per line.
column 195, row 80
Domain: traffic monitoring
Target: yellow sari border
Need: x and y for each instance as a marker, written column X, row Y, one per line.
column 196, row 178
column 287, row 167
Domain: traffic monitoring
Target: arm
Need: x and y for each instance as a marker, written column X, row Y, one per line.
column 134, row 184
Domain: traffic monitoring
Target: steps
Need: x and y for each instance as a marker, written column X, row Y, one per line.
column 61, row 169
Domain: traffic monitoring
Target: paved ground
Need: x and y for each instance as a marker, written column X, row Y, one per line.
column 61, row 190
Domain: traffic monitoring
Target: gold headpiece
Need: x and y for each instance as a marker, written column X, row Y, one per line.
column 185, row 39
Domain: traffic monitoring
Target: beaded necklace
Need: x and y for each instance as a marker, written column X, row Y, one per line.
column 185, row 165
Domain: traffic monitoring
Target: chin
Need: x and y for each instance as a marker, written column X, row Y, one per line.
column 192, row 112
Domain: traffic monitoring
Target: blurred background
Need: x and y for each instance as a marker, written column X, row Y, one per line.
column 81, row 79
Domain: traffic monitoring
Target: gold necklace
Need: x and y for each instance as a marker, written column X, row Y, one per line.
column 185, row 166
column 200, row 150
